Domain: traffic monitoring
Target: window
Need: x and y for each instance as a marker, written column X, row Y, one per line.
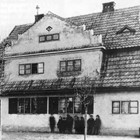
column 34, row 68
column 53, row 105
column 50, row 37
column 126, row 107
column 77, row 105
column 73, row 105
column 28, row 105
column 70, row 65
column 116, row 107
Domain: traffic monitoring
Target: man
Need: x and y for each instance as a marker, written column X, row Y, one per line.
column 90, row 124
column 52, row 123
column 69, row 121
column 97, row 125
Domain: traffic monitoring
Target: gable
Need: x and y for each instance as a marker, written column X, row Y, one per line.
column 65, row 35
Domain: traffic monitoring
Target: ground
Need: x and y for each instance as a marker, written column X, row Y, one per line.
column 50, row 136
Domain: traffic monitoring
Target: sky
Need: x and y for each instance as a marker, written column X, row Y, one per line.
column 17, row 12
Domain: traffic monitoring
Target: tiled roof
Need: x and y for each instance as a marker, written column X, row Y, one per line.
column 122, row 68
column 45, row 85
column 19, row 29
column 121, row 31
column 107, row 24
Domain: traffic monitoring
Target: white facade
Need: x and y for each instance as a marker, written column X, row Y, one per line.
column 74, row 43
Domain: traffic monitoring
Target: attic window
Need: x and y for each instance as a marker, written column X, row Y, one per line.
column 126, row 29
column 49, row 28
column 49, row 37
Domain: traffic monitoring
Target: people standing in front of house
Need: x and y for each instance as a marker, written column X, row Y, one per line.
column 82, row 125
column 52, row 123
column 69, row 122
column 90, row 124
column 60, row 124
column 76, row 124
column 97, row 125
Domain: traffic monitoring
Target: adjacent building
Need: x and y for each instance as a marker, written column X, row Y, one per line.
column 48, row 59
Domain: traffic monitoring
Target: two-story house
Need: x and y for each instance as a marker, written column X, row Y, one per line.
column 40, row 67
column 48, row 58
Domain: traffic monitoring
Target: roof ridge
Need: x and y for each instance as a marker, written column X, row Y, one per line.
column 90, row 14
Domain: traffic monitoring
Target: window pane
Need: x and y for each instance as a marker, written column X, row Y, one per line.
column 77, row 62
column 28, row 71
column 21, row 105
column 125, row 107
column 21, row 72
column 70, row 63
column 21, row 67
column 77, row 65
column 34, row 105
column 13, row 106
column 116, row 104
column 77, row 105
column 62, row 105
column 42, row 38
column 77, row 68
column 63, row 69
column 56, row 37
column 116, row 107
column 40, row 67
column 63, row 64
column 53, row 105
column 34, row 68
column 70, row 66
column 49, row 37
column 133, row 110
column 40, row 70
column 133, row 104
column 28, row 66
column 69, row 105
column 42, row 105
column 116, row 110
column 90, row 107
column 27, row 105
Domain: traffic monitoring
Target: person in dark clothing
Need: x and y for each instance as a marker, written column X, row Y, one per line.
column 63, row 125
column 82, row 125
column 90, row 124
column 69, row 122
column 76, row 125
column 97, row 125
column 59, row 124
column 52, row 123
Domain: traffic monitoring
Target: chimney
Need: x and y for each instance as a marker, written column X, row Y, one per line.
column 107, row 7
column 38, row 17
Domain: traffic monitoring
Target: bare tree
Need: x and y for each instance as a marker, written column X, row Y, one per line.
column 85, row 90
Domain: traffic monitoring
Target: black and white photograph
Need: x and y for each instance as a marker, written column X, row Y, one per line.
column 69, row 70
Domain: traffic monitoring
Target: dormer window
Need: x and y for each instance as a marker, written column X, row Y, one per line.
column 126, row 29
column 49, row 37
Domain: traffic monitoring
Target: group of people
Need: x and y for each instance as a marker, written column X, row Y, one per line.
column 93, row 125
column 65, row 124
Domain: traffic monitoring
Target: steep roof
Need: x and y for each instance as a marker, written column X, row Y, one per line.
column 108, row 24
column 121, row 68
column 19, row 29
column 121, row 31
